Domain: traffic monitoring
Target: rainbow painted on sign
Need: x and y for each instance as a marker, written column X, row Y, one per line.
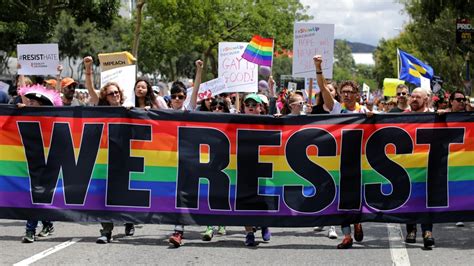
column 259, row 51
column 268, row 167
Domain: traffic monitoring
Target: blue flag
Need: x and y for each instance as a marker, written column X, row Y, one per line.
column 411, row 69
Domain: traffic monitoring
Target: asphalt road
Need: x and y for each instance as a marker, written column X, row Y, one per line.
column 383, row 244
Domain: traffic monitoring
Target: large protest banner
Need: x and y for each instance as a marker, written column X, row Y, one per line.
column 240, row 75
column 114, row 164
column 312, row 39
column 38, row 59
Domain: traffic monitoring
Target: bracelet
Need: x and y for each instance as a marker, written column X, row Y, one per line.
column 319, row 72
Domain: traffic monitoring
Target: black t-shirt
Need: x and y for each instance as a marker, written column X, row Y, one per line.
column 396, row 110
column 318, row 109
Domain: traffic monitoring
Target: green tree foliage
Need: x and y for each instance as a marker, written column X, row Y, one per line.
column 431, row 37
column 24, row 21
column 76, row 41
column 174, row 28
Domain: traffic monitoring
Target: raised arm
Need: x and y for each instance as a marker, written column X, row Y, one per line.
column 197, row 83
column 94, row 96
column 327, row 97
column 58, row 78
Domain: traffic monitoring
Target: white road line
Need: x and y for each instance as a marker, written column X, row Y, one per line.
column 397, row 247
column 47, row 252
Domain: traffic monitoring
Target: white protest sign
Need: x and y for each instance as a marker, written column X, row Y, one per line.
column 292, row 86
column 4, row 86
column 239, row 74
column 312, row 39
column 38, row 59
column 315, row 89
column 207, row 89
column 125, row 77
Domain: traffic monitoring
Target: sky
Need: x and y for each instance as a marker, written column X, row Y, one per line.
column 365, row 21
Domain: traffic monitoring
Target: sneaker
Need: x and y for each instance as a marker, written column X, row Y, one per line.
column 208, row 234
column 411, row 237
column 47, row 230
column 250, row 239
column 221, row 230
column 332, row 232
column 358, row 233
column 346, row 243
column 105, row 237
column 29, row 237
column 266, row 235
column 129, row 229
column 176, row 238
column 460, row 224
column 428, row 240
column 318, row 228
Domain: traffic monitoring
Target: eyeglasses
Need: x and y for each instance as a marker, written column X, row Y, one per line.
column 251, row 105
column 113, row 93
column 459, row 100
column 401, row 93
column 348, row 92
column 217, row 107
column 297, row 103
column 177, row 96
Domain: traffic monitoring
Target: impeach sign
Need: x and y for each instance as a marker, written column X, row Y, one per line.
column 38, row 59
column 207, row 168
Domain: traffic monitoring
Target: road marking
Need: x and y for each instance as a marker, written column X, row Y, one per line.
column 397, row 247
column 47, row 252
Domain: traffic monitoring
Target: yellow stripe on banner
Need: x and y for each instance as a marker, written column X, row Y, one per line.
column 414, row 73
column 170, row 159
column 419, row 68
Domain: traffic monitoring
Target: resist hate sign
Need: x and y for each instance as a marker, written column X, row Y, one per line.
column 311, row 39
column 38, row 59
column 239, row 74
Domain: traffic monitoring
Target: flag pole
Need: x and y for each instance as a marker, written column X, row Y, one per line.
column 398, row 64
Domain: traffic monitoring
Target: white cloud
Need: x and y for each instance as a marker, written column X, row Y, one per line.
column 365, row 21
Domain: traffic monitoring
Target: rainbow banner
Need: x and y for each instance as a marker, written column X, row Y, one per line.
column 259, row 51
column 112, row 164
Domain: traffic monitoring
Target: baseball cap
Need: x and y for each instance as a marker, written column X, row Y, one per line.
column 66, row 82
column 253, row 96
column 51, row 82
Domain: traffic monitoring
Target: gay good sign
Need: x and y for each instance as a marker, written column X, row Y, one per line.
column 239, row 74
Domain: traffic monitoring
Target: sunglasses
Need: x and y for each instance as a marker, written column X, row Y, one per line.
column 217, row 107
column 348, row 92
column 177, row 96
column 459, row 100
column 401, row 93
column 251, row 105
column 113, row 93
column 298, row 103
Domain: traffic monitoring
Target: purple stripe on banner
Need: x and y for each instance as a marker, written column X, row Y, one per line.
column 167, row 205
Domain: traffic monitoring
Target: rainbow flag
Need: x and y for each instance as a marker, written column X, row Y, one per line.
column 259, row 51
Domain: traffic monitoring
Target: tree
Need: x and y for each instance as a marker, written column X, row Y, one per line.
column 175, row 28
column 430, row 36
column 33, row 21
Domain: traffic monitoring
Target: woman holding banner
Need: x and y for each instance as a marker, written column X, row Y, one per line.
column 109, row 95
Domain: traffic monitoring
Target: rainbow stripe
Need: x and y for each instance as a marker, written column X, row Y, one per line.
column 259, row 51
column 161, row 161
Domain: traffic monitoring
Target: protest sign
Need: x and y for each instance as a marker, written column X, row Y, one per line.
column 4, row 86
column 239, row 74
column 114, row 60
column 38, row 59
column 117, row 165
column 207, row 89
column 390, row 86
column 125, row 76
column 312, row 39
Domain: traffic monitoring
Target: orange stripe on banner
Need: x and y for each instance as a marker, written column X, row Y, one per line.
column 268, row 42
